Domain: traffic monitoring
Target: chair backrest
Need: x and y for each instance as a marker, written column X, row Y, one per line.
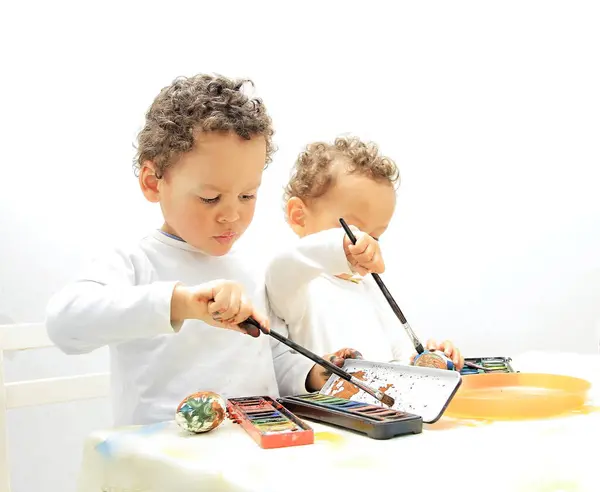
column 19, row 337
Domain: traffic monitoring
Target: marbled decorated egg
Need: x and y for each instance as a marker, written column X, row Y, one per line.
column 201, row 412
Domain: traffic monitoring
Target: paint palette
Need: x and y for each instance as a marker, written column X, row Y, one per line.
column 269, row 423
column 422, row 391
column 372, row 420
column 491, row 364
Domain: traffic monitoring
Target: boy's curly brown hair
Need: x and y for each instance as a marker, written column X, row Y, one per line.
column 211, row 103
column 313, row 172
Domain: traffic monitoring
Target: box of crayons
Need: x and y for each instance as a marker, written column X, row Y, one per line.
column 491, row 364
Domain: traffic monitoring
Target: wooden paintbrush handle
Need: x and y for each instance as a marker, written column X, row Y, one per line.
column 315, row 358
column 324, row 363
column 388, row 296
column 299, row 348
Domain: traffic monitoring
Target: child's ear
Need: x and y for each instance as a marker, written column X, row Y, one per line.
column 296, row 215
column 149, row 182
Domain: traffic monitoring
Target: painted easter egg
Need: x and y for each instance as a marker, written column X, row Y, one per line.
column 201, row 412
column 435, row 359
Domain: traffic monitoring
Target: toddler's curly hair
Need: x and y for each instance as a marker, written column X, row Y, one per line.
column 210, row 103
column 313, row 172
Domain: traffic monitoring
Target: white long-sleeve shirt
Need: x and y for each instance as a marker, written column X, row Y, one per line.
column 123, row 300
column 323, row 311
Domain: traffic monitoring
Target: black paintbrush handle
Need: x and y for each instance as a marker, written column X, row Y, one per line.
column 388, row 296
column 299, row 348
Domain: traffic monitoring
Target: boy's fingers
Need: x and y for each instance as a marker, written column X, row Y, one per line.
column 235, row 301
column 222, row 297
column 362, row 243
column 457, row 359
column 263, row 320
column 448, row 347
column 378, row 266
column 366, row 256
column 346, row 353
column 244, row 310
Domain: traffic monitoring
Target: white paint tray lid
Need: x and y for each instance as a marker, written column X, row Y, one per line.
column 422, row 391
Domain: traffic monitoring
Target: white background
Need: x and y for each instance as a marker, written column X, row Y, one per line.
column 491, row 110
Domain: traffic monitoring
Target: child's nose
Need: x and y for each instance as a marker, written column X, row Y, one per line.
column 228, row 214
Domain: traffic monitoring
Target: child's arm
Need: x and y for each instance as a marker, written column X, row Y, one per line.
column 106, row 307
column 291, row 369
column 289, row 272
column 297, row 374
column 402, row 348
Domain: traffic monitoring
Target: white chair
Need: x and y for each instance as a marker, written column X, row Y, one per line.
column 37, row 392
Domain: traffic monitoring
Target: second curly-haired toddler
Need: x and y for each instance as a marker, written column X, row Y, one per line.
column 319, row 286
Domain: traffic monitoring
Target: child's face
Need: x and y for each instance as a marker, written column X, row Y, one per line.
column 208, row 196
column 359, row 200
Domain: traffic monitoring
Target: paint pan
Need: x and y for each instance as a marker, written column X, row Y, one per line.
column 269, row 423
column 491, row 364
column 373, row 420
column 517, row 396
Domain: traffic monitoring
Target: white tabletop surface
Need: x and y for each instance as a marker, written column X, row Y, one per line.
column 551, row 455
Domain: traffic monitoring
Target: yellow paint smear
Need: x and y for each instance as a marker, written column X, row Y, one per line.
column 587, row 409
column 179, row 454
column 554, row 486
column 329, row 437
column 449, row 423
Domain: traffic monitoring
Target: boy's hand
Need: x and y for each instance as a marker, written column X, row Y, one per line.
column 364, row 256
column 449, row 350
column 221, row 303
column 318, row 375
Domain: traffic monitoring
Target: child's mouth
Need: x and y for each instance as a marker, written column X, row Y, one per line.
column 225, row 238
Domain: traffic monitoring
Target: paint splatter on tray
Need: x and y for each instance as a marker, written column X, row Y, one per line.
column 418, row 390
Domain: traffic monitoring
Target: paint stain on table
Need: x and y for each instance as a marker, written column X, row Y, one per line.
column 330, row 437
column 446, row 423
column 586, row 410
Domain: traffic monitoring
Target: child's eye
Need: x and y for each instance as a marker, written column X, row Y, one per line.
column 247, row 197
column 209, row 200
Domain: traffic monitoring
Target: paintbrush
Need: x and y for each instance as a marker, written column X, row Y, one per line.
column 379, row 395
column 411, row 334
column 472, row 365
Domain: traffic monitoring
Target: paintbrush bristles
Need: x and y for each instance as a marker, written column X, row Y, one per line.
column 377, row 394
column 387, row 400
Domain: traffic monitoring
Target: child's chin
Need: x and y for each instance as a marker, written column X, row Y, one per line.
column 219, row 249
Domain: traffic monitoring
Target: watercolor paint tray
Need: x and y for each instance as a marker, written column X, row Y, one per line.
column 372, row 420
column 492, row 364
column 269, row 423
column 422, row 391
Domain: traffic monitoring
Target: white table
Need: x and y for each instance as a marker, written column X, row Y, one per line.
column 534, row 456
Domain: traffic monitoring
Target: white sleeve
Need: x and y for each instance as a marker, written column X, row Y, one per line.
column 400, row 342
column 291, row 368
column 402, row 347
column 289, row 272
column 105, row 307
